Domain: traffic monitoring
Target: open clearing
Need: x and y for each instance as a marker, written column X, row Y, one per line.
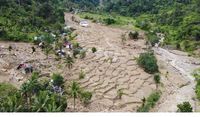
column 111, row 68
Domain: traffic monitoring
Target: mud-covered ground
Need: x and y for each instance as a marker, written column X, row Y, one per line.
column 111, row 68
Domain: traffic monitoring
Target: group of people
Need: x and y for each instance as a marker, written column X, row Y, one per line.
column 67, row 45
column 26, row 67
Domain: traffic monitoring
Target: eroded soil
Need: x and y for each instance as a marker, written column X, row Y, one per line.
column 111, row 68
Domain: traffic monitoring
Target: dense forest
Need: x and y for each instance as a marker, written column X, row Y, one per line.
column 20, row 20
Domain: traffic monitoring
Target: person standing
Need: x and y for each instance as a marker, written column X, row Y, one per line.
column 33, row 50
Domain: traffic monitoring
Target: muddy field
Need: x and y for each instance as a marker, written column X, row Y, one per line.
column 111, row 68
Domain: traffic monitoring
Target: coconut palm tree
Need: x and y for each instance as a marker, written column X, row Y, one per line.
column 25, row 92
column 47, row 101
column 74, row 91
column 40, row 101
column 29, row 88
column 47, row 50
column 48, row 41
column 58, row 80
column 57, row 103
column 69, row 61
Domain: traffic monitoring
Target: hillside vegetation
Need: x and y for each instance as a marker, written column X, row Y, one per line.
column 21, row 20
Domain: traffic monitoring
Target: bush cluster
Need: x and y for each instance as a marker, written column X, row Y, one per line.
column 148, row 62
column 149, row 102
column 109, row 21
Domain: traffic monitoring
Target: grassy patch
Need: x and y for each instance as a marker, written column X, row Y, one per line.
column 119, row 21
column 82, row 75
column 6, row 90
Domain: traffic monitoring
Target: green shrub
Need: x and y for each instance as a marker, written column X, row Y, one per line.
column 82, row 54
column 88, row 17
column 197, row 90
column 150, row 102
column 196, row 74
column 143, row 25
column 184, row 107
column 6, row 90
column 188, row 45
column 109, row 21
column 120, row 93
column 148, row 62
column 58, row 80
column 152, row 38
column 133, row 35
column 76, row 52
column 33, row 96
column 76, row 45
column 157, row 78
column 81, row 75
column 153, row 98
column 86, row 97
column 94, row 50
